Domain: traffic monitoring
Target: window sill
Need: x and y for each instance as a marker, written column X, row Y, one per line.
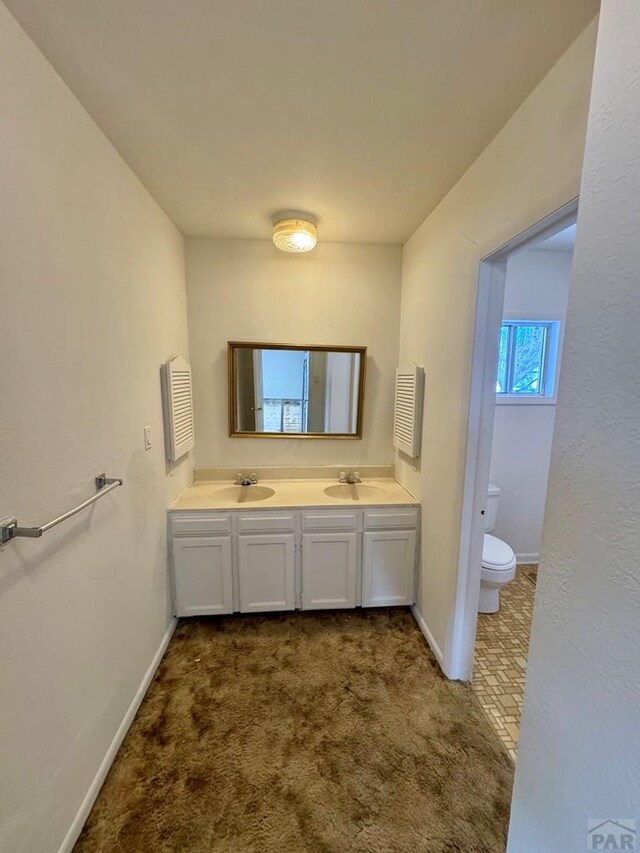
column 512, row 400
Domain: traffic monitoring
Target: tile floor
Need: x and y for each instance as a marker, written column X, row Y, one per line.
column 502, row 645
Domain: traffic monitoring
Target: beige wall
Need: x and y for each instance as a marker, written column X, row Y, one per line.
column 579, row 752
column 531, row 168
column 92, row 301
column 338, row 294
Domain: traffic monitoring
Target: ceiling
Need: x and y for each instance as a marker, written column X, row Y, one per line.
column 364, row 112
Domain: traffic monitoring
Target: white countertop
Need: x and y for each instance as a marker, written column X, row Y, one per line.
column 218, row 494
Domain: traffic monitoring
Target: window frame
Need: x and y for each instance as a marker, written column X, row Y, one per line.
column 551, row 361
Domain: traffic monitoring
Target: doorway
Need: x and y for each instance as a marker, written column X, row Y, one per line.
column 526, row 345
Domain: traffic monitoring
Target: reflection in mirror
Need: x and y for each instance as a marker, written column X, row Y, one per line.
column 288, row 391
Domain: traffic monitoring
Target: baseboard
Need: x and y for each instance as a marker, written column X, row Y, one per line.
column 524, row 559
column 105, row 765
column 435, row 648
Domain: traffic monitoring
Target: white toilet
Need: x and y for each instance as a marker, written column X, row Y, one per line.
column 498, row 559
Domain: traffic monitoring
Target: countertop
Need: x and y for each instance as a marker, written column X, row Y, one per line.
column 219, row 494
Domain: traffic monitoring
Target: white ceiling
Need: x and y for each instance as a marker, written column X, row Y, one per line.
column 364, row 112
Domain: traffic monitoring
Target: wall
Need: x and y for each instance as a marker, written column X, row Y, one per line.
column 537, row 285
column 338, row 294
column 93, row 300
column 531, row 168
column 579, row 754
column 282, row 373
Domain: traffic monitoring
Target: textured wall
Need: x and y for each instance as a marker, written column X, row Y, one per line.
column 579, row 754
column 531, row 168
column 93, row 300
column 338, row 294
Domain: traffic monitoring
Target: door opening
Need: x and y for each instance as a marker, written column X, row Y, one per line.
column 488, row 336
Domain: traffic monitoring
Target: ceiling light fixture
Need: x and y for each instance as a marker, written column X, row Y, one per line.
column 295, row 231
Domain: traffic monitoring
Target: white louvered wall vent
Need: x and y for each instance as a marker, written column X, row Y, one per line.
column 178, row 408
column 407, row 416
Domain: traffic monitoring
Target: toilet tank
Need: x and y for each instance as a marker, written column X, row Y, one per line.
column 493, row 495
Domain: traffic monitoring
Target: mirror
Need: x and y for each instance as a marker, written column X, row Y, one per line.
column 284, row 391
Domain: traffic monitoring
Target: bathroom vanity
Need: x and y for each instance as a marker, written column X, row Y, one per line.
column 304, row 544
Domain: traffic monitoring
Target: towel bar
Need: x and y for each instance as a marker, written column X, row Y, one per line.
column 9, row 526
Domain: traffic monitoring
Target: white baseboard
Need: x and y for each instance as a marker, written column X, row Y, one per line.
column 435, row 648
column 105, row 765
column 527, row 558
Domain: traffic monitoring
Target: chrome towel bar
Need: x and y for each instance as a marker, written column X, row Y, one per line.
column 9, row 526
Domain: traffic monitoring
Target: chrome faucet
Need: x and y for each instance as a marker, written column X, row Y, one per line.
column 243, row 480
column 352, row 479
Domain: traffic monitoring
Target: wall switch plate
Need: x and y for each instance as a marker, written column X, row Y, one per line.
column 147, row 438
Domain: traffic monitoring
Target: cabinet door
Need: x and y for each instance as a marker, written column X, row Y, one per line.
column 329, row 565
column 202, row 575
column 388, row 567
column 266, row 573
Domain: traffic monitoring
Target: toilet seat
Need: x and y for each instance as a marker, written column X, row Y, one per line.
column 497, row 555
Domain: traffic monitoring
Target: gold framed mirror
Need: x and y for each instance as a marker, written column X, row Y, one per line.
column 295, row 391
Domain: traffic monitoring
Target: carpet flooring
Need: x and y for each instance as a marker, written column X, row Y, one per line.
column 309, row 733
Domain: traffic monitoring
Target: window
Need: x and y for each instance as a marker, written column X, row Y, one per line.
column 527, row 361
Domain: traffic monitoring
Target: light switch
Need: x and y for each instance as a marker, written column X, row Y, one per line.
column 147, row 438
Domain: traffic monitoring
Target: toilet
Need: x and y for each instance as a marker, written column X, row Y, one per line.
column 498, row 559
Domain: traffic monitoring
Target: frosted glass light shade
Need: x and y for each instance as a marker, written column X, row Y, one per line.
column 295, row 235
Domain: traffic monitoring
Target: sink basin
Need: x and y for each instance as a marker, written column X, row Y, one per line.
column 244, row 494
column 355, row 492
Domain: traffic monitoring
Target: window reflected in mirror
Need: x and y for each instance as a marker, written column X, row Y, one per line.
column 282, row 390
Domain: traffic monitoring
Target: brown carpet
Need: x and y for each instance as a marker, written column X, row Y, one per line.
column 304, row 732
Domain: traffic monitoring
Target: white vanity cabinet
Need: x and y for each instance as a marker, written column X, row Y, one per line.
column 266, row 572
column 389, row 556
column 201, row 548
column 388, row 567
column 266, row 561
column 329, row 569
column 310, row 558
column 329, row 547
